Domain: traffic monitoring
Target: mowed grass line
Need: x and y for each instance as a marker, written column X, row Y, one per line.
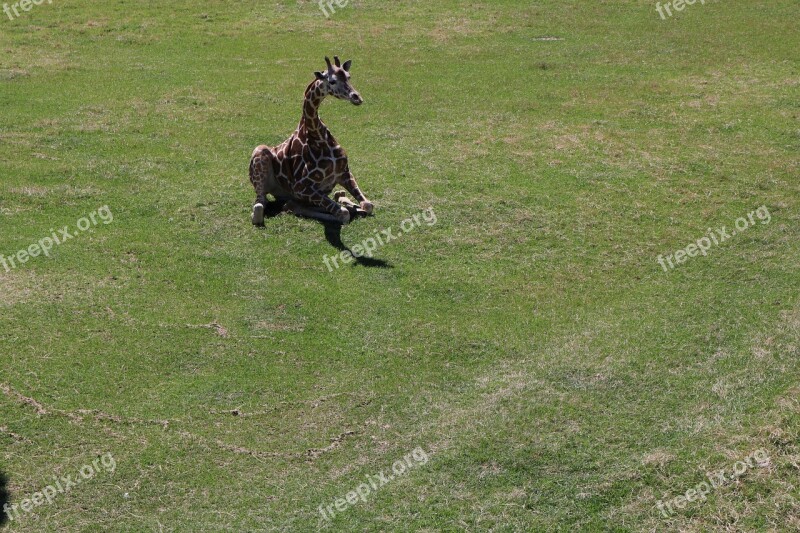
column 528, row 340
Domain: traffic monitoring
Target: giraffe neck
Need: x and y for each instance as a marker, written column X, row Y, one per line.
column 313, row 98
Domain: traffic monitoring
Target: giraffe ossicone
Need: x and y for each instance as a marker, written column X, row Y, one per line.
column 304, row 169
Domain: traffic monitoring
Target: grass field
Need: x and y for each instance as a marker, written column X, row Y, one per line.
column 528, row 346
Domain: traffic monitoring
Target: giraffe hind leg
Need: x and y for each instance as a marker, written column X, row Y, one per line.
column 262, row 176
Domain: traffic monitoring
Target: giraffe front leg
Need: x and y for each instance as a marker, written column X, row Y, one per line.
column 349, row 183
column 305, row 210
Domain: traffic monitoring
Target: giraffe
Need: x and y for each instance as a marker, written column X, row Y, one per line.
column 304, row 169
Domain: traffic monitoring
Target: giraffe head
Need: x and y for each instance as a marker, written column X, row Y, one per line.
column 336, row 81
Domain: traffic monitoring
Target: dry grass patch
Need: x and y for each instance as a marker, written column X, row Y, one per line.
column 17, row 286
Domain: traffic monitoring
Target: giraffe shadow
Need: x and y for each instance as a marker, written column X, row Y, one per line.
column 333, row 234
column 5, row 497
column 273, row 208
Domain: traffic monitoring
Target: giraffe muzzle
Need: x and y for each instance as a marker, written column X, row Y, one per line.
column 356, row 99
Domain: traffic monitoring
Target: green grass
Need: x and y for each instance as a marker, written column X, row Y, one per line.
column 529, row 342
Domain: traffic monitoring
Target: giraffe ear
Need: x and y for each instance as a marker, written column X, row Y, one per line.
column 319, row 75
column 347, row 64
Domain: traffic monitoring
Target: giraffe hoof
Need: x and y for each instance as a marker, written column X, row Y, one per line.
column 258, row 214
column 367, row 206
column 343, row 216
column 346, row 203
